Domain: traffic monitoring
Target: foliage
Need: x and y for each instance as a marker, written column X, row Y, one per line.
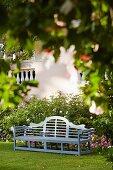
column 71, row 107
column 10, row 92
column 104, row 125
column 87, row 24
column 36, row 110
column 109, row 156
column 100, row 143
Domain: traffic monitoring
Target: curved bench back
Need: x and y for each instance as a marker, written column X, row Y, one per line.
column 56, row 126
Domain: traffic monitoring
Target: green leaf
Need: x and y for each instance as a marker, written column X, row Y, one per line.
column 105, row 7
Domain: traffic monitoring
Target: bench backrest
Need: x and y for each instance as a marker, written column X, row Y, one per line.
column 57, row 126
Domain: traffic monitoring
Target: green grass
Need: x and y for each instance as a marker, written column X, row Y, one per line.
column 24, row 160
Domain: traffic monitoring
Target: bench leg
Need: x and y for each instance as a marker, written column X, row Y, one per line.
column 79, row 150
column 45, row 146
column 61, row 146
column 89, row 146
column 14, row 144
column 29, row 144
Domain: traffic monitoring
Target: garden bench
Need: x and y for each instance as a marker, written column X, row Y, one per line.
column 55, row 134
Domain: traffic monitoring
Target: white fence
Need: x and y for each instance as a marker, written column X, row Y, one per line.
column 25, row 75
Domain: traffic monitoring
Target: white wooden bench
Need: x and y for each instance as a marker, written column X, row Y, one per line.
column 55, row 134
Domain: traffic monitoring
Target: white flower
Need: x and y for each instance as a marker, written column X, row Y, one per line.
column 12, row 128
column 66, row 112
column 75, row 23
column 28, row 120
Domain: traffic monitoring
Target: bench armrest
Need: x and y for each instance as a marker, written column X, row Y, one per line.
column 19, row 130
column 85, row 134
column 20, row 127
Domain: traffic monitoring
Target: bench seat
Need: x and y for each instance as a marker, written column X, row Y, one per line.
column 50, row 139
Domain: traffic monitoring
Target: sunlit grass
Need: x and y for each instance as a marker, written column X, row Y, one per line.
column 25, row 160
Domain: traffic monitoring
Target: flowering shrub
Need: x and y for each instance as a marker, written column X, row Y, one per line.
column 104, row 145
column 72, row 107
column 100, row 143
column 36, row 110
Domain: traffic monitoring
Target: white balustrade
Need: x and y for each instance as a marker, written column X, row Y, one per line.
column 22, row 76
column 25, row 75
column 17, row 78
column 31, row 74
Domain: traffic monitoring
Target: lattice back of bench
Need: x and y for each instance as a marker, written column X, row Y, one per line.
column 56, row 126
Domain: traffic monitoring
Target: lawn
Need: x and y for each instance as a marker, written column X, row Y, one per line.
column 24, row 160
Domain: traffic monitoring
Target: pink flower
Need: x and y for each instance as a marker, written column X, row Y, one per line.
column 47, row 50
column 85, row 57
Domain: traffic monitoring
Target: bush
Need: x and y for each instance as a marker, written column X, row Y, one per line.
column 104, row 125
column 36, row 110
column 71, row 107
column 100, row 143
column 109, row 155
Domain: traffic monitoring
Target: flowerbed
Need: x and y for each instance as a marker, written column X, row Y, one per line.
column 100, row 143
